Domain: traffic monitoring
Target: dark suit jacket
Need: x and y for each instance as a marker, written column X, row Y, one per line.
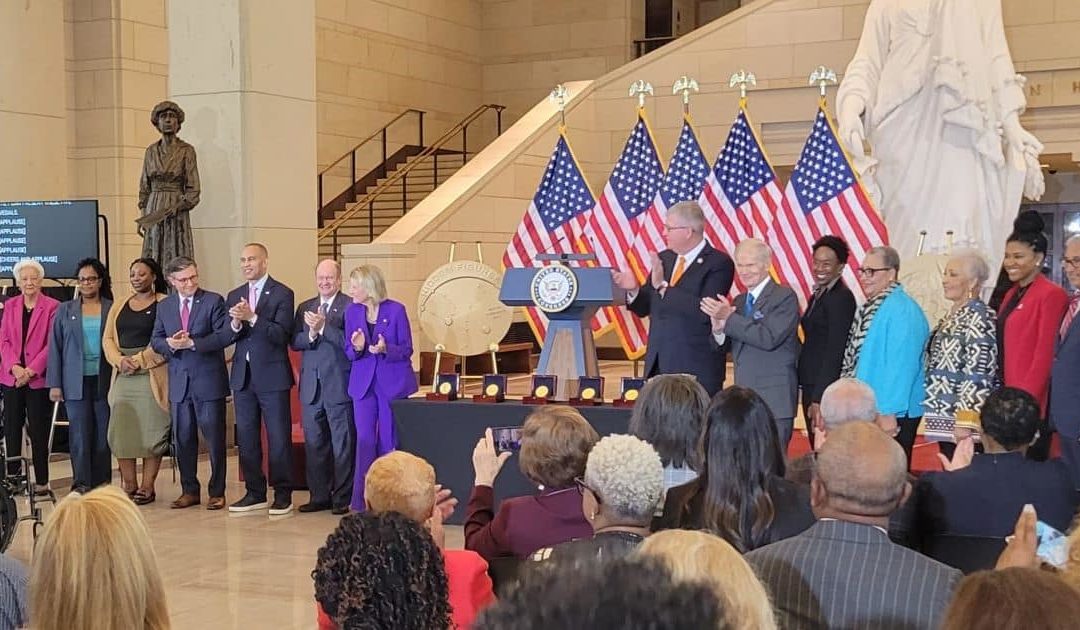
column 198, row 374
column 680, row 335
column 845, row 575
column 765, row 347
column 985, row 498
column 523, row 524
column 684, row 509
column 825, row 325
column 66, row 352
column 263, row 349
column 324, row 368
column 1065, row 383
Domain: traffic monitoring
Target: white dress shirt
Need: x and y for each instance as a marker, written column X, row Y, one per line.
column 329, row 302
column 688, row 259
column 756, row 292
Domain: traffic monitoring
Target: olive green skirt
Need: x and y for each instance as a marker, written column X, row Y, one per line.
column 138, row 427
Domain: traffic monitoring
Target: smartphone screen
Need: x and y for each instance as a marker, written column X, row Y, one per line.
column 1053, row 545
column 506, row 439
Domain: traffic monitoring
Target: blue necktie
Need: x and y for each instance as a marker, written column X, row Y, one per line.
column 748, row 308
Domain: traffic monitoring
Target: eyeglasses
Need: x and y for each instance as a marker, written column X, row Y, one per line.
column 582, row 486
column 186, row 280
column 1070, row 262
column 868, row 272
column 90, row 280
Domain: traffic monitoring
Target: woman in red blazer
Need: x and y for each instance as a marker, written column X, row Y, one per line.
column 1028, row 319
column 24, row 351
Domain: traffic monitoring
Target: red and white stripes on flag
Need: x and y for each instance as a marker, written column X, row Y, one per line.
column 616, row 220
column 823, row 196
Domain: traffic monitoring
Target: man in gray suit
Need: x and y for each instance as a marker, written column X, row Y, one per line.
column 329, row 432
column 844, row 572
column 762, row 328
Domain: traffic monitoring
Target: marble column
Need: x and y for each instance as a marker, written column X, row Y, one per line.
column 244, row 72
column 33, row 123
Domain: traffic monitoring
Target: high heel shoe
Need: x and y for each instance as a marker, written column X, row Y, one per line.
column 141, row 497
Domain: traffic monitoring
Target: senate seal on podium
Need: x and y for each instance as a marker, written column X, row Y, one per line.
column 554, row 288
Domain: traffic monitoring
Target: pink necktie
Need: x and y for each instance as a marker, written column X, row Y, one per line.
column 253, row 296
column 1070, row 315
column 185, row 314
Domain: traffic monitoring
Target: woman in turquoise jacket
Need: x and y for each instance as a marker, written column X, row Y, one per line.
column 886, row 344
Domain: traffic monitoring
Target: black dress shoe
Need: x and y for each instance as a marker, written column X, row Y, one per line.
column 281, row 507
column 313, row 507
column 248, row 504
column 340, row 510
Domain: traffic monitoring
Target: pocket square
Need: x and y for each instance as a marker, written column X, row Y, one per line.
column 758, row 315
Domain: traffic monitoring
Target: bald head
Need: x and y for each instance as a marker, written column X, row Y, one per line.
column 328, row 277
column 861, row 472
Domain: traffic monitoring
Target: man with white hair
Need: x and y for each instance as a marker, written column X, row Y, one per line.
column 762, row 325
column 1065, row 372
column 847, row 400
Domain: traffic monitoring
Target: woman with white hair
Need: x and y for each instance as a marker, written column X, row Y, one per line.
column 623, row 484
column 961, row 358
column 24, row 354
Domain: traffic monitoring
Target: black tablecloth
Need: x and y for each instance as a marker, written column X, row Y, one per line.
column 445, row 434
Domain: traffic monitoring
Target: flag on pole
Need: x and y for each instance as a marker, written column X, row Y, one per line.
column 555, row 220
column 741, row 194
column 823, row 196
column 616, row 220
column 683, row 182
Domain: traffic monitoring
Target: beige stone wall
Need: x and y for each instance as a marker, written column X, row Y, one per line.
column 781, row 41
column 117, row 66
column 531, row 45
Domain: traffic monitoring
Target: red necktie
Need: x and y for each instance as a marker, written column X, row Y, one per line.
column 185, row 314
column 1070, row 315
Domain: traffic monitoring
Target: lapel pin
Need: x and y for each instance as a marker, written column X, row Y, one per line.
column 699, row 261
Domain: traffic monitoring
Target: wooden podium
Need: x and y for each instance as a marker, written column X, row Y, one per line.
column 569, row 296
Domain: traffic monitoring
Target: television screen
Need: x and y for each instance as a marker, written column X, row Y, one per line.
column 58, row 234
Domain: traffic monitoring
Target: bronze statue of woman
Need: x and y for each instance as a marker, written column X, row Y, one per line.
column 168, row 189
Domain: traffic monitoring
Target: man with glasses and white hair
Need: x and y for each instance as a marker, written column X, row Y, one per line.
column 762, row 325
column 1065, row 372
column 680, row 276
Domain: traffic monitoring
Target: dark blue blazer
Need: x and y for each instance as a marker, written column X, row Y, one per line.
column 324, row 368
column 390, row 373
column 985, row 498
column 198, row 374
column 264, row 347
column 66, row 352
column 1065, row 383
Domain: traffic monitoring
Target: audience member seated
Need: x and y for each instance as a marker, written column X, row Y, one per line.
column 555, row 441
column 13, row 582
column 404, row 483
column 982, row 494
column 741, row 494
column 845, row 400
column 94, row 567
column 1071, row 572
column 669, row 415
column 844, row 572
column 623, row 483
column 623, row 593
column 381, row 570
column 698, row 557
column 1013, row 599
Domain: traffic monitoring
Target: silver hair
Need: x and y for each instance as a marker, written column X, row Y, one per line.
column 975, row 264
column 1075, row 238
column 889, row 256
column 27, row 263
column 692, row 213
column 848, row 400
column 626, row 474
column 761, row 249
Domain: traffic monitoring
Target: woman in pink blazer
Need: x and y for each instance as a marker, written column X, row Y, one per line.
column 24, row 350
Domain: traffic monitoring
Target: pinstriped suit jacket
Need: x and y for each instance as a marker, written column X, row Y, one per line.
column 846, row 575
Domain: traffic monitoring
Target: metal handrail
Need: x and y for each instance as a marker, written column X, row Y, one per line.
column 403, row 172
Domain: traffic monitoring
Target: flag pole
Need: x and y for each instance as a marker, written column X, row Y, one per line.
column 742, row 79
column 685, row 85
column 640, row 89
column 823, row 77
column 559, row 96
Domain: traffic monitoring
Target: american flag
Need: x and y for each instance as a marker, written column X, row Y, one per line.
column 555, row 220
column 741, row 194
column 685, row 177
column 822, row 197
column 616, row 220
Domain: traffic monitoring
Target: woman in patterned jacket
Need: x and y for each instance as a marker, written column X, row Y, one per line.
column 961, row 359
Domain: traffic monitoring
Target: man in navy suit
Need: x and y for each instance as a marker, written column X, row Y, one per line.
column 262, row 322
column 680, row 335
column 329, row 432
column 1065, row 372
column 191, row 332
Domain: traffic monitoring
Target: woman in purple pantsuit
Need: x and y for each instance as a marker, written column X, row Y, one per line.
column 379, row 344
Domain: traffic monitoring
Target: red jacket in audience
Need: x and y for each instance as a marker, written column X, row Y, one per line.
column 523, row 524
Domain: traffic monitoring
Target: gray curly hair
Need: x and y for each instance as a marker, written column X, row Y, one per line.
column 626, row 475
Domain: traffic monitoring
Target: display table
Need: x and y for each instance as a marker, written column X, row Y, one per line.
column 445, row 434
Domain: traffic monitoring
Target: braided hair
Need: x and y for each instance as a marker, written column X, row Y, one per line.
column 382, row 571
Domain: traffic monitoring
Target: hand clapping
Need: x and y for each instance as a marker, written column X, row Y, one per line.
column 315, row 321
column 241, row 311
column 379, row 347
column 180, row 341
column 357, row 340
column 625, row 280
column 656, row 271
column 718, row 309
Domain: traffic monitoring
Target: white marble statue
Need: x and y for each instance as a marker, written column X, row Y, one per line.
column 933, row 89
